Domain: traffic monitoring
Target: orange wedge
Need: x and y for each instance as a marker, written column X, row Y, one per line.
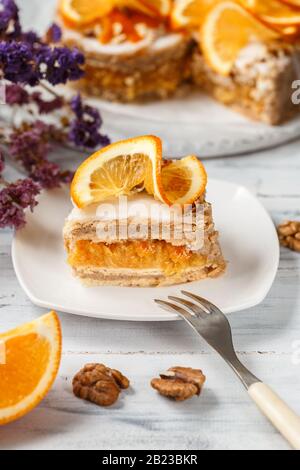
column 29, row 361
column 274, row 12
column 129, row 166
column 227, row 29
column 84, row 12
column 190, row 12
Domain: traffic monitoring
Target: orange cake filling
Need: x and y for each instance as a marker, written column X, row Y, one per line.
column 153, row 254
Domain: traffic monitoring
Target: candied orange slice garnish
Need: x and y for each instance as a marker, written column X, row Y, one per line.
column 123, row 168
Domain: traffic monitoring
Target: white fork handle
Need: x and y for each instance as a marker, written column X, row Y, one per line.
column 278, row 412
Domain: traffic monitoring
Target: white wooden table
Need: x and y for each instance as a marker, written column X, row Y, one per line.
column 223, row 417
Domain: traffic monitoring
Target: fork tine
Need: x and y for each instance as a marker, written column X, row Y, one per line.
column 188, row 317
column 170, row 307
column 203, row 302
column 191, row 306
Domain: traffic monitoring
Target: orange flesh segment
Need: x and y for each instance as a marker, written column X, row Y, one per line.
column 22, row 372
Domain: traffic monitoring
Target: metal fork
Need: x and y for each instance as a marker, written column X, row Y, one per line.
column 210, row 323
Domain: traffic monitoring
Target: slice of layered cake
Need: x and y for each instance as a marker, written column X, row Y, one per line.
column 140, row 221
column 247, row 64
column 131, row 53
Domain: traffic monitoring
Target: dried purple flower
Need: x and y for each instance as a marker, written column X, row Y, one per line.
column 17, row 63
column 30, row 37
column 26, row 63
column 16, row 95
column 60, row 64
column 67, row 176
column 11, row 215
column 54, row 33
column 23, row 193
column 9, row 19
column 49, row 175
column 2, row 164
column 30, row 146
column 84, row 129
column 14, row 198
column 47, row 106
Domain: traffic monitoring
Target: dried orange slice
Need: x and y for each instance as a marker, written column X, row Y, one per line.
column 29, row 362
column 184, row 181
column 162, row 7
column 289, row 32
column 150, row 7
column 119, row 169
column 83, row 12
column 273, row 11
column 133, row 165
column 190, row 12
column 228, row 28
column 293, row 3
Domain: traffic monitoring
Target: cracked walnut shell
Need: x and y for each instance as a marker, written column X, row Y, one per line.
column 289, row 235
column 99, row 384
column 179, row 383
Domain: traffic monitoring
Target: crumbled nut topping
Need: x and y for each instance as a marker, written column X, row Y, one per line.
column 99, row 384
column 179, row 383
column 289, row 235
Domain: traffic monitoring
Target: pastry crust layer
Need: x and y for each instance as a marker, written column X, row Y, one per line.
column 142, row 278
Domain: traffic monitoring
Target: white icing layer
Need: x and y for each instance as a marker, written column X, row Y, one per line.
column 140, row 206
column 150, row 42
column 257, row 59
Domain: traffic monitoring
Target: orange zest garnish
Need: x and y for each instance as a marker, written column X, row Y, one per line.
column 126, row 23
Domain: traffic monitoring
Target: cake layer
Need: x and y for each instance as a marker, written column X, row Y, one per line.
column 148, row 278
column 260, row 85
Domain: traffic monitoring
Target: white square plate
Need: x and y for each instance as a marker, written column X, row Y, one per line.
column 248, row 238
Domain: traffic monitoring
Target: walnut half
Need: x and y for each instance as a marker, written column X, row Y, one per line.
column 179, row 383
column 99, row 384
column 289, row 234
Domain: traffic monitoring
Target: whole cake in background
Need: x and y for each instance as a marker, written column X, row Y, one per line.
column 244, row 53
column 139, row 220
